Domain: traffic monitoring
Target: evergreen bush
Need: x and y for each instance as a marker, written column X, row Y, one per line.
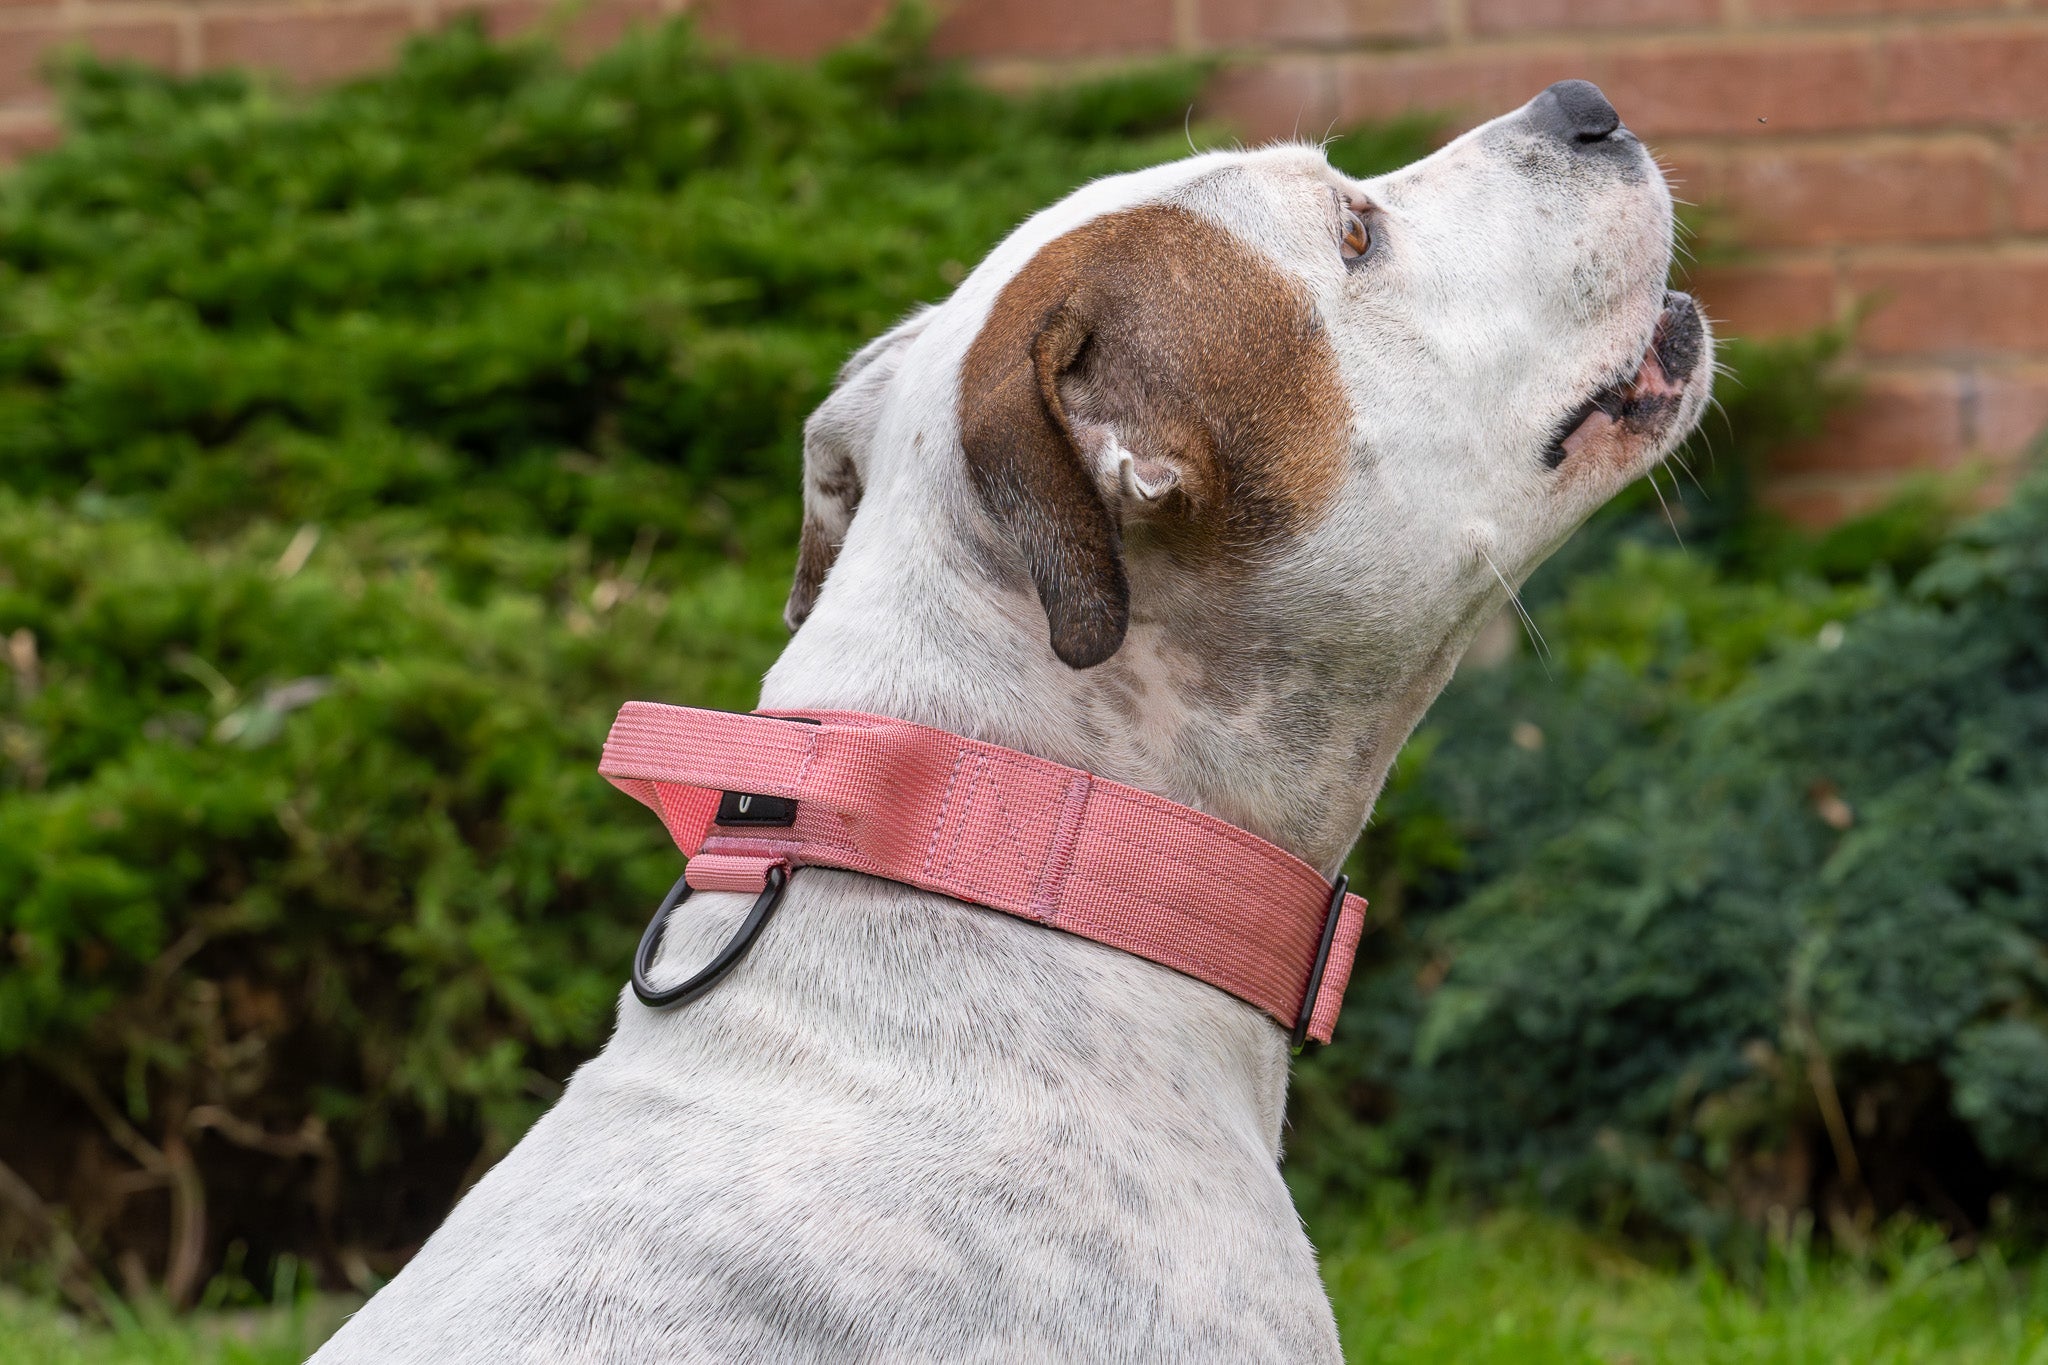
column 360, row 452
column 1741, row 907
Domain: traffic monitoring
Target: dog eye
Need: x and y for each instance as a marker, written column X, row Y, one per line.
column 1357, row 236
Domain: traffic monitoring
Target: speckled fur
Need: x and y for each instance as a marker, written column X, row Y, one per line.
column 909, row 1130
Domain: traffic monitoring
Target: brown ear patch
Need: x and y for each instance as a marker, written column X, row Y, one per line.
column 831, row 498
column 1162, row 326
column 837, row 438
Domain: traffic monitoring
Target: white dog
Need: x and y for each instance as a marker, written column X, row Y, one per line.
column 1202, row 481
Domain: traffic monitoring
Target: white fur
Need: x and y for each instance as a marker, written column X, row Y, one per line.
column 910, row 1130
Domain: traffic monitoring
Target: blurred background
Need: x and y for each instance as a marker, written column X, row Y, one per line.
column 1881, row 158
column 388, row 391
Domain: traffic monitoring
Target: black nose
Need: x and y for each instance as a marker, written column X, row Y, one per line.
column 1575, row 111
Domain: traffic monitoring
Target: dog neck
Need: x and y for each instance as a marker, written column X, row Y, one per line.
column 1255, row 713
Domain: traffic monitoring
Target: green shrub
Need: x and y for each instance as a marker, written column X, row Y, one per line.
column 359, row 454
column 1747, row 909
column 509, row 298
column 315, row 861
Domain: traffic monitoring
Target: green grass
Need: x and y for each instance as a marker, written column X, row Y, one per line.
column 33, row 1333
column 1416, row 1283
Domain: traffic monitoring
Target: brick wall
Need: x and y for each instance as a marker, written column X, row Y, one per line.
column 1882, row 156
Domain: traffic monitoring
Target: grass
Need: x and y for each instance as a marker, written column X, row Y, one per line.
column 36, row 1333
column 1415, row 1283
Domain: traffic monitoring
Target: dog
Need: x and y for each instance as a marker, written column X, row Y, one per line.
column 1202, row 481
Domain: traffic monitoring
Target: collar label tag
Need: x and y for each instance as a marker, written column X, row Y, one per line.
column 745, row 808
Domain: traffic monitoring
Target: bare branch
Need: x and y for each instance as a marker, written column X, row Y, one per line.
column 73, row 1271
column 310, row 1140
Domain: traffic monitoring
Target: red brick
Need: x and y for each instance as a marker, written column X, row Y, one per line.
column 1826, row 196
column 25, row 131
column 2001, row 479
column 2030, row 183
column 1943, row 305
column 1233, row 22
column 789, row 28
column 1768, row 11
column 1468, row 86
column 1055, row 28
column 581, row 32
column 1898, row 422
column 1825, row 500
column 1674, row 88
column 319, row 45
column 1514, row 16
column 1985, row 76
column 24, row 50
column 2011, row 411
column 1765, row 299
column 1751, row 87
column 1695, row 174
column 1281, row 97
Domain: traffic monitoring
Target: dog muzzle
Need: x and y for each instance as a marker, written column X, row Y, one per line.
column 751, row 798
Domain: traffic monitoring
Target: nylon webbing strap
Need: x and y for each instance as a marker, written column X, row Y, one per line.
column 998, row 828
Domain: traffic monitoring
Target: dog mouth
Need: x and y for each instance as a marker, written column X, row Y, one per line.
column 1646, row 401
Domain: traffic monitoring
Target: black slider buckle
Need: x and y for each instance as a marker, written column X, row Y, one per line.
column 1299, row 1042
column 726, row 958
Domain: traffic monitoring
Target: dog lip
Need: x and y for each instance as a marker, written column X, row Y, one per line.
column 1553, row 454
column 1646, row 399
column 1680, row 337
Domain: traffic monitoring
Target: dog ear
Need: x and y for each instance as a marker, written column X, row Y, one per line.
column 837, row 439
column 1033, row 475
column 1147, row 367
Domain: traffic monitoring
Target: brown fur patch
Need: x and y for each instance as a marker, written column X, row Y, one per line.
column 815, row 553
column 832, row 481
column 1162, row 326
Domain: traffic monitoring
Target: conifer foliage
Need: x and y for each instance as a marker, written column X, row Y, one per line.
column 359, row 454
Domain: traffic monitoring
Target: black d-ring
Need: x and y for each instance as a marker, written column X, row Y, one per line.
column 728, row 957
column 1315, row 973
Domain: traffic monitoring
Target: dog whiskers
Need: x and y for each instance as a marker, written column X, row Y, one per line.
column 1726, row 421
column 1528, row 621
column 1670, row 520
column 1678, row 458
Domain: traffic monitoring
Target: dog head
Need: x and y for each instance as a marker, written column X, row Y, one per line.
column 1242, row 422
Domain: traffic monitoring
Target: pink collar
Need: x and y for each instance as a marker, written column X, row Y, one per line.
column 744, row 794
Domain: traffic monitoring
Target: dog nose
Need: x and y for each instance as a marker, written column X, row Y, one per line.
column 1574, row 111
